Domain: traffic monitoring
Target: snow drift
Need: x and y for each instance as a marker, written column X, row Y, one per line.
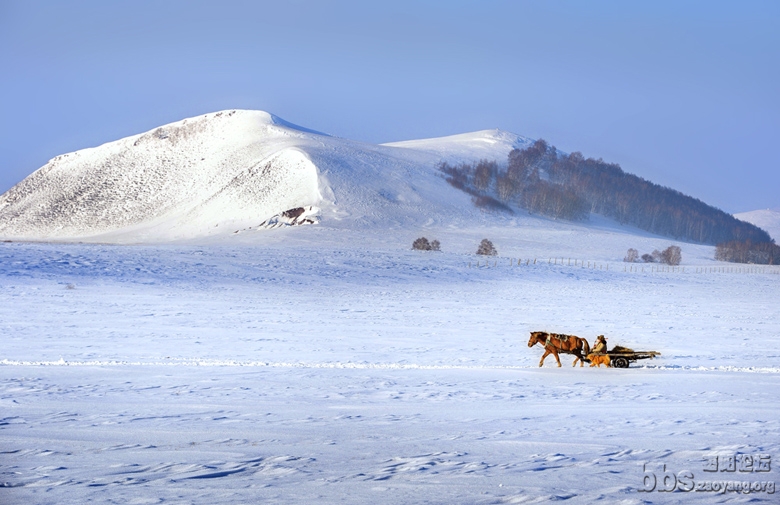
column 237, row 170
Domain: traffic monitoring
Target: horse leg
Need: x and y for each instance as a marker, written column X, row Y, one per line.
column 555, row 353
column 546, row 353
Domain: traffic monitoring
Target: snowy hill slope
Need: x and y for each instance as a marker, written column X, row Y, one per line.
column 234, row 170
column 467, row 147
column 176, row 181
column 768, row 219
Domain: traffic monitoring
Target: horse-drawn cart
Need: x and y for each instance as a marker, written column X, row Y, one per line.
column 555, row 343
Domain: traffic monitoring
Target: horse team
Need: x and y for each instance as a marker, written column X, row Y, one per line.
column 555, row 343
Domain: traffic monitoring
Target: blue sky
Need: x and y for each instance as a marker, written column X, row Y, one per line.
column 685, row 94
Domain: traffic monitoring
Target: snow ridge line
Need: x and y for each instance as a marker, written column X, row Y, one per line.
column 351, row 365
column 265, row 364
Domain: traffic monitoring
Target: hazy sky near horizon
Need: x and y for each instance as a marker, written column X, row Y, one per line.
column 685, row 94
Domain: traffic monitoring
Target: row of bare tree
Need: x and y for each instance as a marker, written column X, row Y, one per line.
column 486, row 247
column 761, row 253
column 672, row 255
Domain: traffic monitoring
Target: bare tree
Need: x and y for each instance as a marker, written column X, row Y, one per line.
column 506, row 188
column 672, row 255
column 486, row 248
column 422, row 244
column 484, row 174
column 631, row 256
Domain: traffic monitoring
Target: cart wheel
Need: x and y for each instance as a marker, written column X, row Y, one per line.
column 620, row 363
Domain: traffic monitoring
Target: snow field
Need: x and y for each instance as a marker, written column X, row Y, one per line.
column 297, row 435
column 307, row 371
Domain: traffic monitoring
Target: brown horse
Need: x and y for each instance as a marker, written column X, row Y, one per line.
column 554, row 343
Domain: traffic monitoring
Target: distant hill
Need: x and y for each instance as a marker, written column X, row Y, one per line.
column 238, row 171
column 545, row 181
column 234, row 171
column 767, row 219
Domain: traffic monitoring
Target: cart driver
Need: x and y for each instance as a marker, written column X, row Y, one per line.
column 600, row 347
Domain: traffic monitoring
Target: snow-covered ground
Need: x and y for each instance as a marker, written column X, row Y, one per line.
column 324, row 365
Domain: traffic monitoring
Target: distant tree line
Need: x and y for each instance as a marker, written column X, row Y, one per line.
column 672, row 255
column 760, row 253
column 520, row 184
column 544, row 181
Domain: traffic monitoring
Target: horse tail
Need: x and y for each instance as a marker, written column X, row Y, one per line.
column 585, row 346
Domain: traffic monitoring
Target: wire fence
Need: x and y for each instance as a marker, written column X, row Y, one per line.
column 625, row 267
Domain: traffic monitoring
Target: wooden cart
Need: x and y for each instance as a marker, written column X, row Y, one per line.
column 622, row 359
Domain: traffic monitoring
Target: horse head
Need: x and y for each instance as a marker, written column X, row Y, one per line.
column 536, row 337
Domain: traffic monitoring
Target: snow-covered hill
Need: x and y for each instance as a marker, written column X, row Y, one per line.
column 767, row 219
column 238, row 170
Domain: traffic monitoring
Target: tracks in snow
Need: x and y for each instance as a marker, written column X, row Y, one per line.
column 195, row 362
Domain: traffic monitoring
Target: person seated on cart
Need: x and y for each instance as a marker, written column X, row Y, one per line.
column 600, row 346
